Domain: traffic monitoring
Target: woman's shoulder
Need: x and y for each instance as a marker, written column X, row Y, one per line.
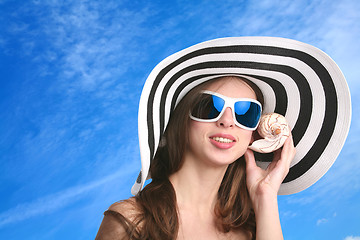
column 119, row 220
column 128, row 208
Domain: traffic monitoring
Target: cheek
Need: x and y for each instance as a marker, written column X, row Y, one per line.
column 194, row 126
column 196, row 131
column 249, row 137
column 246, row 136
column 244, row 139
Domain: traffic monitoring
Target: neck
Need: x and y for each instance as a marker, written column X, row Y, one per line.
column 196, row 185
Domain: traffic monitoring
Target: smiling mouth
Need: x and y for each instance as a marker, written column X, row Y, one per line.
column 222, row 140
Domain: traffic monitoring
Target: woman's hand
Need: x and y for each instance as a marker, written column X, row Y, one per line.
column 263, row 186
column 266, row 183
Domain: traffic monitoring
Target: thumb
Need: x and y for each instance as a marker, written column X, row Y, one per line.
column 250, row 159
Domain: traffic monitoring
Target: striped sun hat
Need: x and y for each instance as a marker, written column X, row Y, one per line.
column 297, row 80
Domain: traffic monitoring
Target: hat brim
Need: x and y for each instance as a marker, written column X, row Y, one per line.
column 297, row 80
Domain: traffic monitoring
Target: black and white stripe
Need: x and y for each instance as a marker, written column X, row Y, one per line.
column 297, row 80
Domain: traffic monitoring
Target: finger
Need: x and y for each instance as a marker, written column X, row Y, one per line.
column 276, row 158
column 277, row 154
column 283, row 156
column 285, row 150
column 250, row 159
column 287, row 153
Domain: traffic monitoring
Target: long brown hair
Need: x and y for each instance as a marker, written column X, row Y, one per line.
column 157, row 201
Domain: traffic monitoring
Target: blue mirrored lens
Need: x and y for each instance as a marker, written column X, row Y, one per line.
column 242, row 107
column 247, row 113
column 218, row 103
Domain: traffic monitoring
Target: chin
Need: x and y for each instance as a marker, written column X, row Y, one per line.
column 223, row 160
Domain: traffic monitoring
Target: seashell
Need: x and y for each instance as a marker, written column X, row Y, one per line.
column 274, row 129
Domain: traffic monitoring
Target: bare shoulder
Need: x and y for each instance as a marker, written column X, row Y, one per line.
column 128, row 208
column 117, row 219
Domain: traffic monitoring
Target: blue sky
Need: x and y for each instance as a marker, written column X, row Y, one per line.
column 71, row 77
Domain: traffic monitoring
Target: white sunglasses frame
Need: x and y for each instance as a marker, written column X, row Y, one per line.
column 229, row 102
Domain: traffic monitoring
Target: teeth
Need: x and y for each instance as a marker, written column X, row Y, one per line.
column 222, row 140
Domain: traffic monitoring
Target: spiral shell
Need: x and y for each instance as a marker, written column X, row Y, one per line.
column 274, row 129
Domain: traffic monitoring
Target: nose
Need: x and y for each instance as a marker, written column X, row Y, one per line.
column 226, row 120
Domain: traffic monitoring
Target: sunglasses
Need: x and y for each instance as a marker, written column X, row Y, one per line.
column 210, row 106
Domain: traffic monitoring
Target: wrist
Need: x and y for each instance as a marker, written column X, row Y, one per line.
column 265, row 202
column 267, row 217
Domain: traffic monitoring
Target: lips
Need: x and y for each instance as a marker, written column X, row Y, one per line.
column 222, row 141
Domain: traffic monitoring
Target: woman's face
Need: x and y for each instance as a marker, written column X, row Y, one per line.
column 222, row 142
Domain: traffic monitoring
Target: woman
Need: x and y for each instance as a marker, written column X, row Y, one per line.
column 205, row 181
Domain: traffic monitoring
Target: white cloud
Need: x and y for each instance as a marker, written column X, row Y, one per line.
column 96, row 49
column 352, row 238
column 275, row 18
column 321, row 221
column 54, row 202
column 88, row 48
column 87, row 45
column 339, row 40
column 288, row 214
